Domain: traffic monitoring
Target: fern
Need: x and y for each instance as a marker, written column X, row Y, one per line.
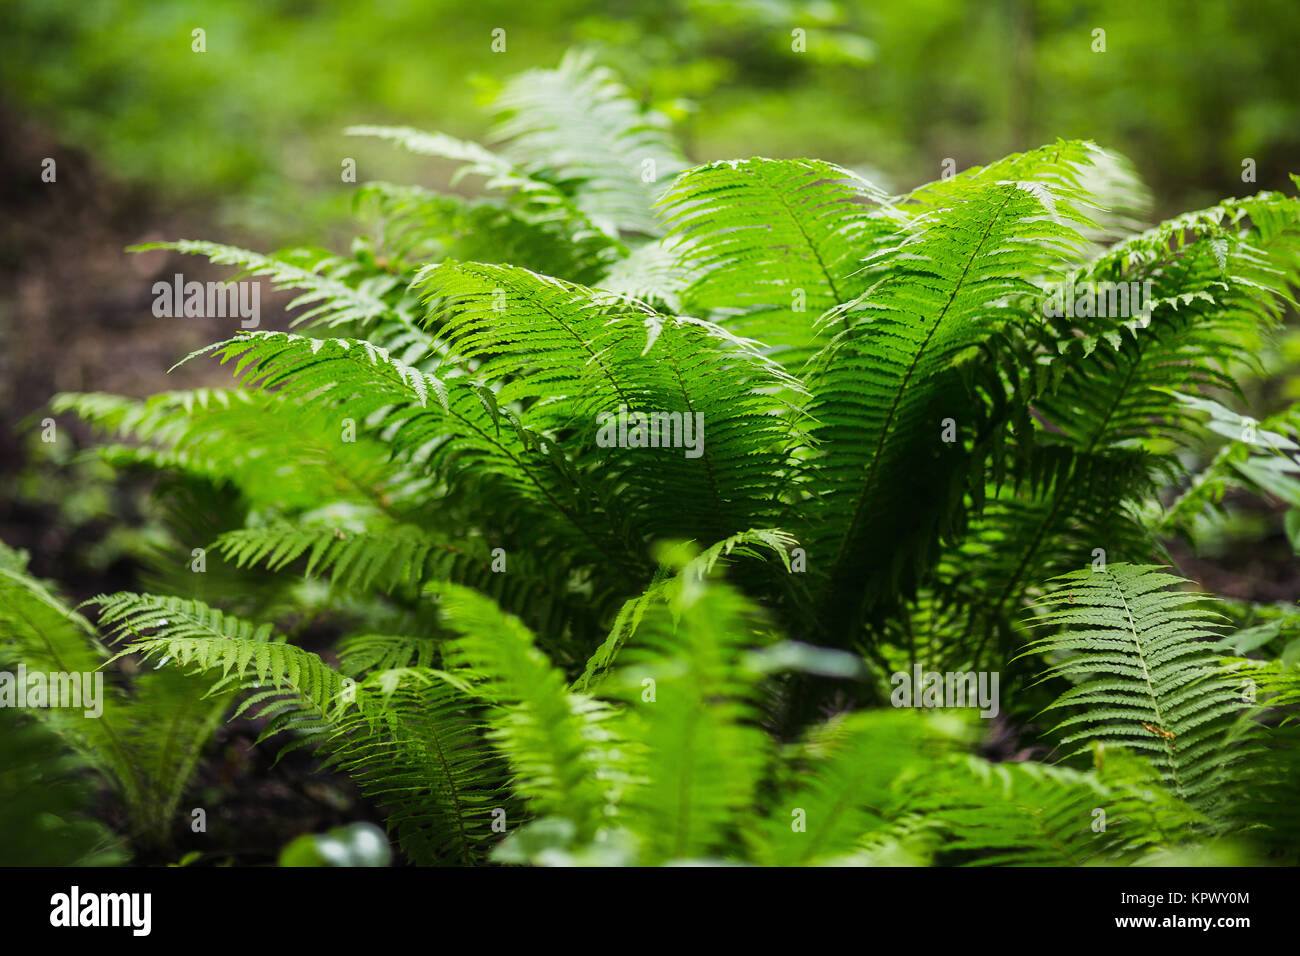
column 776, row 244
column 1027, row 814
column 145, row 744
column 44, row 803
column 1145, row 676
column 577, row 125
column 560, row 750
column 531, row 671
column 846, row 792
column 892, row 374
column 691, row 722
column 404, row 736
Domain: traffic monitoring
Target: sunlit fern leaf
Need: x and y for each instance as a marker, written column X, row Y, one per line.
column 774, row 244
column 1123, row 201
column 1274, row 683
column 690, row 720
column 390, row 557
column 182, row 626
column 505, row 322
column 651, row 274
column 398, row 558
column 413, row 226
column 1054, row 174
column 888, row 485
column 328, row 301
column 559, row 746
column 575, row 358
column 1145, row 676
column 360, row 654
column 280, row 454
column 477, row 159
column 537, row 200
column 578, row 127
column 445, row 426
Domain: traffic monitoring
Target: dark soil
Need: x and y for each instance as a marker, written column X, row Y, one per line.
column 76, row 315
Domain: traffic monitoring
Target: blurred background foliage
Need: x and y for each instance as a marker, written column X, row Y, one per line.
column 1187, row 90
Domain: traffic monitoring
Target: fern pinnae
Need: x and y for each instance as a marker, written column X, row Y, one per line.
column 331, row 301
column 892, row 372
column 578, row 122
column 384, row 744
column 770, row 245
column 551, row 737
column 1146, row 676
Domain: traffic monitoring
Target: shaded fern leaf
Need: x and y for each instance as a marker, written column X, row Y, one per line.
column 1029, row 814
column 756, row 543
column 409, row 739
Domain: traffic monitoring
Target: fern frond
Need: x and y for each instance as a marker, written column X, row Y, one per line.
column 1106, row 411
column 45, row 801
column 282, row 455
column 146, row 744
column 329, row 301
column 360, row 654
column 559, row 745
column 1144, row 675
column 414, row 226
column 408, row 741
column 445, row 426
column 578, row 127
column 383, row 559
column 389, row 557
column 1029, row 814
column 697, row 753
column 845, row 787
column 572, row 356
column 892, row 375
column 755, row 543
column 650, row 275
column 775, row 244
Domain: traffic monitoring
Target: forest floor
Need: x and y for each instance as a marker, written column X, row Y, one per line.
column 76, row 315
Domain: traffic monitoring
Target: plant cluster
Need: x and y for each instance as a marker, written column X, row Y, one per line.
column 556, row 649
